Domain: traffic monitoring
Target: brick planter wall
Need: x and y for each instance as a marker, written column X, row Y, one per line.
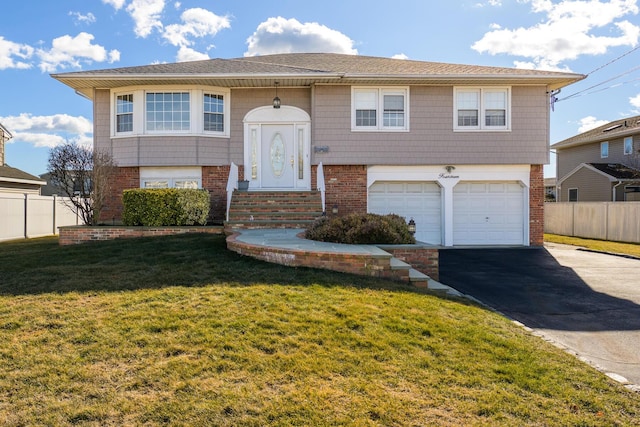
column 367, row 265
column 74, row 235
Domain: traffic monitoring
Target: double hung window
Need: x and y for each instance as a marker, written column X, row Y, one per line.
column 380, row 109
column 482, row 109
column 604, row 150
column 124, row 113
column 628, row 145
column 213, row 112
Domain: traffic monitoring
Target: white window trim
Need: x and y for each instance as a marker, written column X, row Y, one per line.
column 171, row 175
column 382, row 90
column 624, row 145
column 196, row 98
column 602, row 145
column 481, row 114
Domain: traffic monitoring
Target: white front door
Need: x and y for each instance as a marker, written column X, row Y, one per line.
column 279, row 160
column 277, row 148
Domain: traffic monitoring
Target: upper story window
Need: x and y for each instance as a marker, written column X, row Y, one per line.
column 168, row 111
column 482, row 109
column 124, row 113
column 179, row 110
column 604, row 150
column 380, row 109
column 213, row 112
column 628, row 145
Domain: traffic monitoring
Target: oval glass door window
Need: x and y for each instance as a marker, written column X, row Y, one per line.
column 278, row 155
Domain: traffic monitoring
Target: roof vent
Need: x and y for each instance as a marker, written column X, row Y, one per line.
column 609, row 129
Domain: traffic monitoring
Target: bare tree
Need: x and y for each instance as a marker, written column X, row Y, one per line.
column 83, row 176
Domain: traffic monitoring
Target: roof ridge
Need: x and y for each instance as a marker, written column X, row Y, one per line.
column 295, row 67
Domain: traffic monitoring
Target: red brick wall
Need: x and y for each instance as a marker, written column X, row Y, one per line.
column 214, row 179
column 425, row 260
column 346, row 187
column 536, row 206
column 125, row 178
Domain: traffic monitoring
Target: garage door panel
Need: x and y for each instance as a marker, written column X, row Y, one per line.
column 418, row 200
column 488, row 213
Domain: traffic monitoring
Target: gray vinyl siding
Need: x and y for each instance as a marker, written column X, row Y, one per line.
column 570, row 158
column 592, row 186
column 431, row 139
column 245, row 100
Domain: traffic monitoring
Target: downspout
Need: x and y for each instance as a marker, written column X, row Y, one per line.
column 613, row 196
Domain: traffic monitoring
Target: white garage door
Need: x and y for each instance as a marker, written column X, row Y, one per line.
column 418, row 200
column 488, row 213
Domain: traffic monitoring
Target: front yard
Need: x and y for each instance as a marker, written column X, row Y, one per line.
column 179, row 331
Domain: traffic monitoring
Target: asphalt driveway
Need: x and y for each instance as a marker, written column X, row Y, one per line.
column 588, row 302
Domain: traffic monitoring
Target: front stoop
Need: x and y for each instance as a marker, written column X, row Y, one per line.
column 273, row 209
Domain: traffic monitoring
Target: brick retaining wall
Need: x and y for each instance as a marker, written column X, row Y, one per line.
column 74, row 235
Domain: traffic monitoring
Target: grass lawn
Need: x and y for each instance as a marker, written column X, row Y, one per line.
column 179, row 331
column 597, row 245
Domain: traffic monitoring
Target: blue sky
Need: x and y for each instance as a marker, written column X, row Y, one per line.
column 38, row 38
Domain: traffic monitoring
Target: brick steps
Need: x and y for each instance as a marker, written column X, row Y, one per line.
column 273, row 209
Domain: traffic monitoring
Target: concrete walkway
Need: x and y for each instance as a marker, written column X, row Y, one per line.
column 290, row 239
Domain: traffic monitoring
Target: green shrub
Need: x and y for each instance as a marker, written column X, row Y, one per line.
column 361, row 229
column 165, row 207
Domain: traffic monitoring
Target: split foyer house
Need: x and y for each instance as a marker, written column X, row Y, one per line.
column 600, row 165
column 458, row 148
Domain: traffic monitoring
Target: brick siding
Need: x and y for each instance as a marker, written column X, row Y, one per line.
column 346, row 188
column 536, row 206
column 125, row 178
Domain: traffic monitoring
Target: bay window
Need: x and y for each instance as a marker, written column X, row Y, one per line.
column 179, row 110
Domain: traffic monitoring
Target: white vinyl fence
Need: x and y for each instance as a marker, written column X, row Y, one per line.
column 26, row 215
column 616, row 221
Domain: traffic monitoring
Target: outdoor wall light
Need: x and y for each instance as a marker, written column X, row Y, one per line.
column 449, row 168
column 276, row 100
column 412, row 226
column 334, row 210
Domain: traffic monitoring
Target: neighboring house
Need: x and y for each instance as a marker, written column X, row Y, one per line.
column 602, row 164
column 550, row 189
column 14, row 180
column 458, row 148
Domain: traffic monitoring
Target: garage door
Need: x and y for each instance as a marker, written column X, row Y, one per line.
column 418, row 200
column 488, row 213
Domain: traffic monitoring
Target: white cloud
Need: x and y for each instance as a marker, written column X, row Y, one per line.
column 590, row 122
column 14, row 55
column 400, row 56
column 67, row 51
column 635, row 102
column 89, row 18
column 187, row 54
column 117, row 4
column 146, row 15
column 49, row 131
column 197, row 23
column 280, row 35
column 568, row 32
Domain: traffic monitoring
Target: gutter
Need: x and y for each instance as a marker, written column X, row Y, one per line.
column 614, row 190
